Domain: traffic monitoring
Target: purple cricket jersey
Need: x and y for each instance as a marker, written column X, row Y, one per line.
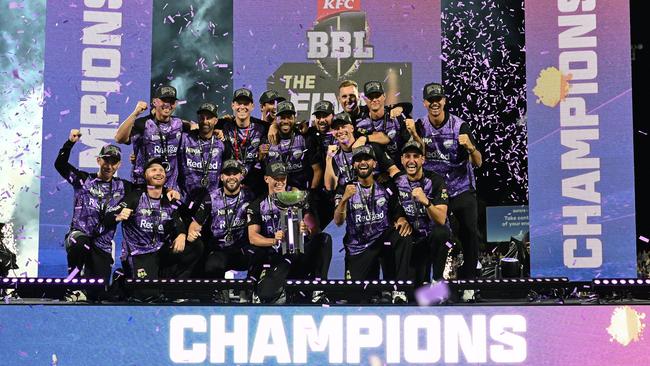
column 199, row 162
column 152, row 139
column 229, row 215
column 297, row 154
column 152, row 223
column 368, row 216
column 445, row 156
column 390, row 126
column 434, row 188
column 93, row 199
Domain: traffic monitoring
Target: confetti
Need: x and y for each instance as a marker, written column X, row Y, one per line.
column 433, row 294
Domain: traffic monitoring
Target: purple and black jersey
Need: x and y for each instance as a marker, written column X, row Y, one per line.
column 199, row 162
column 370, row 212
column 342, row 164
column 297, row 153
column 226, row 215
column 93, row 198
column 244, row 143
column 154, row 139
column 434, row 188
column 266, row 214
column 152, row 224
column 445, row 156
column 392, row 127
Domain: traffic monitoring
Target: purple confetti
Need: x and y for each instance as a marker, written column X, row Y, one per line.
column 431, row 295
column 644, row 239
column 72, row 274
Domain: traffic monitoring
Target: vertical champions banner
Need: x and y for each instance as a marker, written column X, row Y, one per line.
column 97, row 66
column 304, row 49
column 582, row 216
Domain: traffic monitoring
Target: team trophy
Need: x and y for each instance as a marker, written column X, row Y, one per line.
column 291, row 204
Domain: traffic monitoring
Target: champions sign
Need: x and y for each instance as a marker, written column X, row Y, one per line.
column 580, row 152
column 261, row 335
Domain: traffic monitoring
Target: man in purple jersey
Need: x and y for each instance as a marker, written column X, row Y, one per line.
column 155, row 135
column 200, row 154
column 338, row 161
column 243, row 136
column 321, row 132
column 265, row 232
column 423, row 195
column 450, row 151
column 89, row 245
column 376, row 226
column 225, row 236
column 154, row 233
column 298, row 153
column 380, row 122
column 268, row 106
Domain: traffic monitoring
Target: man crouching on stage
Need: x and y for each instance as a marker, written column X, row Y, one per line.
column 154, row 234
column 265, row 231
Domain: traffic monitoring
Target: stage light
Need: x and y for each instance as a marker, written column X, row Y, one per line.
column 622, row 287
column 509, row 268
column 509, row 284
column 50, row 288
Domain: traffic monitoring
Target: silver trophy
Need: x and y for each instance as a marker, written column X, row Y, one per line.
column 291, row 205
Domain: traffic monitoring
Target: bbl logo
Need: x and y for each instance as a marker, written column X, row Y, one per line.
column 338, row 40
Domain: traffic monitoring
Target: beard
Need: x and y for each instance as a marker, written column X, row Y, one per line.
column 232, row 185
column 363, row 171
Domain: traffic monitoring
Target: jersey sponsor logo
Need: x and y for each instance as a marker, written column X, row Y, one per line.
column 437, row 155
column 238, row 222
column 293, row 167
column 197, row 164
column 144, row 224
column 448, row 144
column 369, row 217
column 171, row 149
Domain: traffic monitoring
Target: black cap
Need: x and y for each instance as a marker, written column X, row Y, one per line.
column 342, row 118
column 276, row 170
column 361, row 151
column 232, row 164
column 208, row 107
column 285, row 107
column 324, row 106
column 413, row 145
column 433, row 90
column 373, row 87
column 110, row 151
column 153, row 161
column 270, row 96
column 242, row 93
column 165, row 91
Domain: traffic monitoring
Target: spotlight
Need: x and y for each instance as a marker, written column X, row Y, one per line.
column 509, row 268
